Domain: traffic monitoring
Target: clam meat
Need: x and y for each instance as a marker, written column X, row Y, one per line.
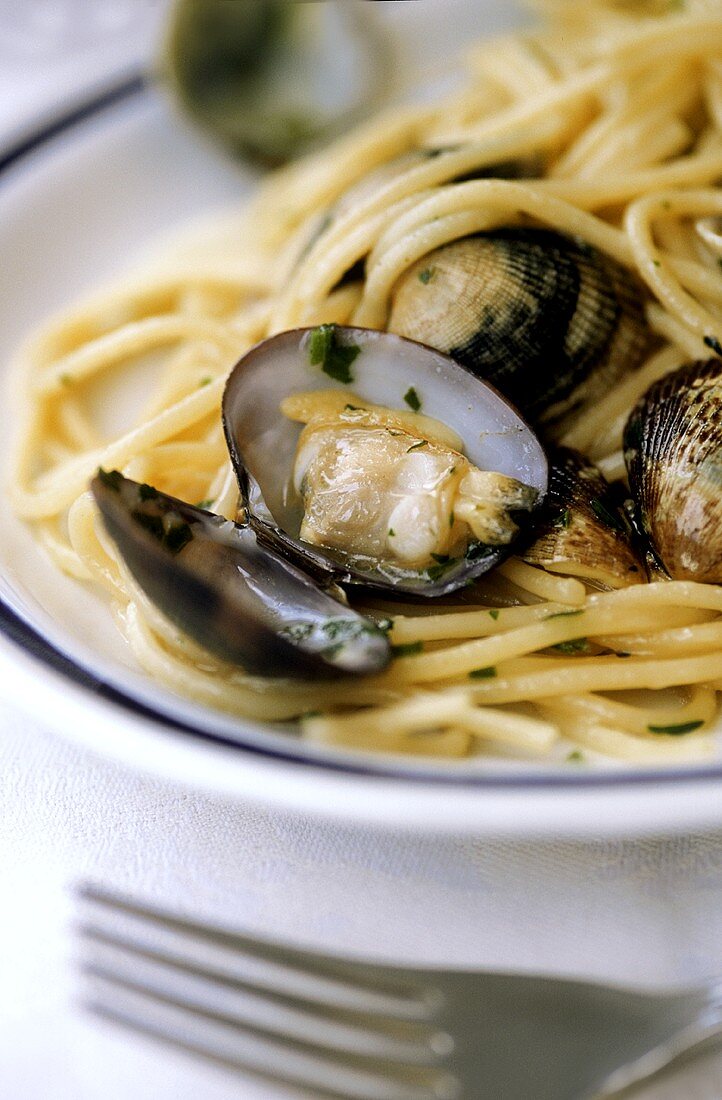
column 547, row 319
column 373, row 460
column 583, row 533
column 394, row 486
column 673, row 453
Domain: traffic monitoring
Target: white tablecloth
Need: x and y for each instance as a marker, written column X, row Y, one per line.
column 68, row 814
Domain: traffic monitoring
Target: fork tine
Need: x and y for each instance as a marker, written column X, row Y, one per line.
column 297, row 974
column 342, row 1032
column 241, row 1048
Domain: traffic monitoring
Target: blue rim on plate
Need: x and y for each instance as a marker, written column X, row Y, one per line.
column 25, row 637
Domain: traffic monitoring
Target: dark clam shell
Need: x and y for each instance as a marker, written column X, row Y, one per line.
column 547, row 319
column 234, row 597
column 386, row 369
column 583, row 532
column 673, row 452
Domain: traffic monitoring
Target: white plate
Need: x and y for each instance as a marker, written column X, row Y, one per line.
column 74, row 211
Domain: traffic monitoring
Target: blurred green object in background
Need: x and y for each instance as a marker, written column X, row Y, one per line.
column 274, row 78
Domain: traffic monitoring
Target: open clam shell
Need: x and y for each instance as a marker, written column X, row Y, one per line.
column 583, row 533
column 673, row 452
column 391, row 372
column 235, row 598
column 547, row 319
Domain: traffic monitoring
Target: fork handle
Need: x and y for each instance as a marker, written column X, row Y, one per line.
column 704, row 1032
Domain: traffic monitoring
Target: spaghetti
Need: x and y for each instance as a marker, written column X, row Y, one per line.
column 621, row 106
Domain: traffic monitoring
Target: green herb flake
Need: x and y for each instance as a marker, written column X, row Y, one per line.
column 408, row 650
column 683, row 727
column 426, row 275
column 417, row 446
column 205, row 381
column 297, row 632
column 443, row 564
column 111, row 479
column 392, row 533
column 411, row 398
column 205, row 504
column 656, row 263
column 575, row 757
column 334, row 359
column 563, row 519
column 574, row 645
column 602, row 513
column 713, row 342
column 66, row 380
column 482, row 673
column 494, row 613
column 564, row 614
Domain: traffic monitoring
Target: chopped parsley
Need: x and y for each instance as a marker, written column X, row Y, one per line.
column 66, row 380
column 683, row 727
column 411, row 398
column 407, row 650
column 564, row 614
column 494, row 613
column 392, row 533
column 482, row 673
column 205, row 504
column 575, row 757
column 574, row 645
column 602, row 513
column 443, row 564
column 563, row 519
column 335, row 359
column 205, row 381
column 426, row 275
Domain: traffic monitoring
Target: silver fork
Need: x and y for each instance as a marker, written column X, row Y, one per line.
column 359, row 1031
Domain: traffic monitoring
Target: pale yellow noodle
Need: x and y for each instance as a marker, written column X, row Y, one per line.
column 617, row 112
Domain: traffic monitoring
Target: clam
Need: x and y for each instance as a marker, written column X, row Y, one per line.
column 237, row 599
column 345, row 481
column 270, row 79
column 583, row 533
column 673, row 452
column 547, row 319
column 371, row 460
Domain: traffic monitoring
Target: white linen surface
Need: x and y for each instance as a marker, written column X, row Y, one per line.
column 645, row 911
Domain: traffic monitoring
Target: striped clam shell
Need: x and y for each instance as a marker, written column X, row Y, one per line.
column 583, row 533
column 548, row 320
column 673, row 452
